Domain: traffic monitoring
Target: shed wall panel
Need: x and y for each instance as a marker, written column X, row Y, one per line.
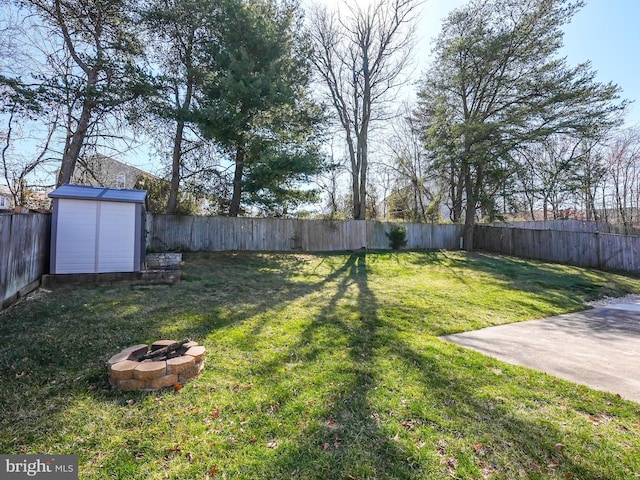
column 116, row 237
column 76, row 236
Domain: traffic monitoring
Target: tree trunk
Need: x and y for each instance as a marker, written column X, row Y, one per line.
column 363, row 135
column 363, row 182
column 457, row 189
column 355, row 195
column 470, row 215
column 74, row 144
column 176, row 157
column 234, row 208
column 176, row 162
column 472, row 192
column 355, row 176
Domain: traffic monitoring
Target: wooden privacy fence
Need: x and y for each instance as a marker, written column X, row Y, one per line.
column 25, row 239
column 582, row 249
column 194, row 233
column 573, row 226
column 24, row 253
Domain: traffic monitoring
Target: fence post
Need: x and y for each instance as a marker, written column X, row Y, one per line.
column 598, row 253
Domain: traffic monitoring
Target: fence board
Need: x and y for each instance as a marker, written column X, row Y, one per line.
column 24, row 241
column 579, row 248
column 5, row 249
column 572, row 226
column 189, row 233
column 377, row 235
column 24, row 252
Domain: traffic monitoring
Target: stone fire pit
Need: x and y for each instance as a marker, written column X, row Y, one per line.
column 166, row 364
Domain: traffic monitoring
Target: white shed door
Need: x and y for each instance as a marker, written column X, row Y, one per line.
column 76, row 236
column 116, row 237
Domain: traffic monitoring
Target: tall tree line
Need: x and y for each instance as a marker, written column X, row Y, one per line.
column 502, row 124
column 226, row 80
column 498, row 85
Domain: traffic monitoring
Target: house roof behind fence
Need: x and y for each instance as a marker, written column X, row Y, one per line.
column 83, row 192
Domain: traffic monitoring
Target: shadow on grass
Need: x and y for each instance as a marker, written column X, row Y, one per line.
column 532, row 275
column 478, row 429
column 470, row 429
column 536, row 289
column 602, row 323
column 346, row 440
column 55, row 346
column 396, row 403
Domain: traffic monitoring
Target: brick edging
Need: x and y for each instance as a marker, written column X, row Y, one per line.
column 126, row 374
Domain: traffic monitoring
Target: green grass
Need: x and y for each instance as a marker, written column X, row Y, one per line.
column 318, row 367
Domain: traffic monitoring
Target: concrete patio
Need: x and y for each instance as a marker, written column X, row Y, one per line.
column 599, row 348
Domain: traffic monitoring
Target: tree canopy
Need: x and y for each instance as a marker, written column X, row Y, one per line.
column 93, row 51
column 497, row 82
column 221, row 92
column 256, row 102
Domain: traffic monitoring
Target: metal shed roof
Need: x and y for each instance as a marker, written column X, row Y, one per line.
column 83, row 192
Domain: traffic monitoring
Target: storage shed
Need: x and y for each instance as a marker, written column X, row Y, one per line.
column 97, row 230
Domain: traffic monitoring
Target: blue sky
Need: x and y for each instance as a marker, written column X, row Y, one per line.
column 605, row 32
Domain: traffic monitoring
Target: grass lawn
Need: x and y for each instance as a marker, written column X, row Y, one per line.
column 318, row 367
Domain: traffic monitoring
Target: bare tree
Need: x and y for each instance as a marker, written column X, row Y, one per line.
column 546, row 172
column 177, row 38
column 360, row 58
column 85, row 68
column 329, row 185
column 623, row 167
column 28, row 124
column 416, row 194
column 18, row 167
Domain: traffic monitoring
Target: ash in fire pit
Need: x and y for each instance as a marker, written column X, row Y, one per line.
column 168, row 363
